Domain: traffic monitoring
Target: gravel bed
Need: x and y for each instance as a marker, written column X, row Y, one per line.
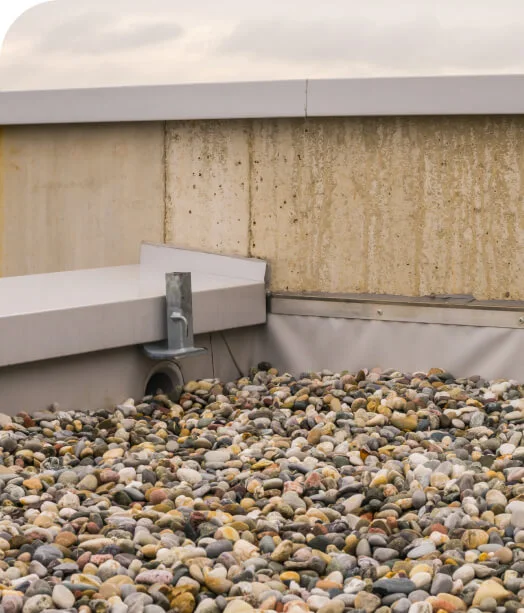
column 330, row 492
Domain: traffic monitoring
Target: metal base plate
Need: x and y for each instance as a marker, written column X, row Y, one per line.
column 161, row 351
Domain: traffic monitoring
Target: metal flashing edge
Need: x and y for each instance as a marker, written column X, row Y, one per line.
column 448, row 310
column 300, row 98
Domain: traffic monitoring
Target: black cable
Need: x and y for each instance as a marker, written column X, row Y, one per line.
column 231, row 354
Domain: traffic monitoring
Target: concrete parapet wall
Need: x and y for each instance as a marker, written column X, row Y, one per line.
column 78, row 196
column 409, row 206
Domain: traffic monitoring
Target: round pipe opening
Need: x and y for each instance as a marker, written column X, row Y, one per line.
column 164, row 378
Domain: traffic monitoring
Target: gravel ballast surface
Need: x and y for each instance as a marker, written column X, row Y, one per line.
column 329, row 492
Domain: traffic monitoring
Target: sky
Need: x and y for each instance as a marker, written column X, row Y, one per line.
column 97, row 43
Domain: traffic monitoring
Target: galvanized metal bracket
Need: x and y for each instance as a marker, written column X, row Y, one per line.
column 179, row 318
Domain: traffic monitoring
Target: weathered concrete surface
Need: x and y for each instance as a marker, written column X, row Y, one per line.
column 384, row 205
column 79, row 196
column 207, row 171
column 2, row 201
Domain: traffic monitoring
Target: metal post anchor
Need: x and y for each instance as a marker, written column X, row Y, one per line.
column 179, row 302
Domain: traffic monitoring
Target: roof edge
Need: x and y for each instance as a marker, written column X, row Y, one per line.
column 384, row 96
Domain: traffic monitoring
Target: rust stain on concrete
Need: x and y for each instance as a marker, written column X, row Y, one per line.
column 407, row 206
column 391, row 205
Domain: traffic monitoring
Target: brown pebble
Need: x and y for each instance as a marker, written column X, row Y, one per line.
column 156, row 496
column 66, row 539
column 504, row 555
column 83, row 559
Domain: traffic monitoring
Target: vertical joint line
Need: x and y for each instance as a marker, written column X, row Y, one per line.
column 306, row 100
column 165, row 220
column 250, row 169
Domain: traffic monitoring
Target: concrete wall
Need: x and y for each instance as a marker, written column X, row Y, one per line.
column 382, row 205
column 78, row 196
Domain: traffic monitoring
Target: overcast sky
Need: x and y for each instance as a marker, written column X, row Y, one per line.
column 86, row 43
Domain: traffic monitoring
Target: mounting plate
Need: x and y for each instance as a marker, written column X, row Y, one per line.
column 179, row 317
column 161, row 351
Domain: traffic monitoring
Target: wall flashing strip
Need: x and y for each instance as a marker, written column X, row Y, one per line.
column 450, row 310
